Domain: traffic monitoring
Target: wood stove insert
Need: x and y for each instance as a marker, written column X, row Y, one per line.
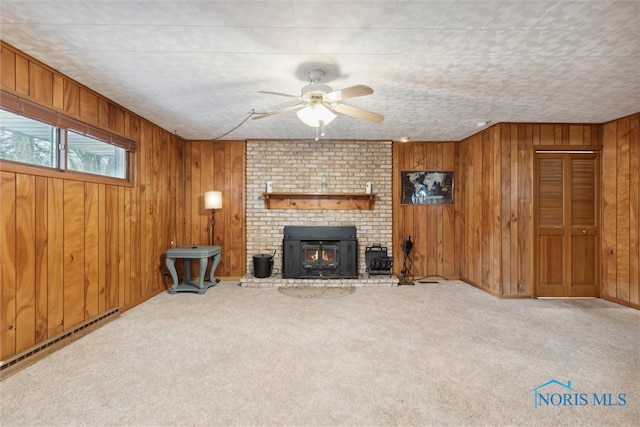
column 320, row 252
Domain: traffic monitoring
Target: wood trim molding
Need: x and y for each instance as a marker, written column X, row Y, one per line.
column 26, row 108
column 24, row 168
column 333, row 201
column 571, row 148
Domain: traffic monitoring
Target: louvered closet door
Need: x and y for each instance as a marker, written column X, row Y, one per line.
column 583, row 279
column 567, row 218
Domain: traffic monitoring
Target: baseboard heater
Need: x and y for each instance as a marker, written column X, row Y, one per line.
column 34, row 353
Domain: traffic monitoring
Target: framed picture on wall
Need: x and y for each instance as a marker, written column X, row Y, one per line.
column 427, row 187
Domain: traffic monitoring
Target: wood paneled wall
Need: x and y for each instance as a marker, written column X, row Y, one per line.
column 494, row 212
column 479, row 208
column 74, row 247
column 620, row 231
column 431, row 227
column 217, row 166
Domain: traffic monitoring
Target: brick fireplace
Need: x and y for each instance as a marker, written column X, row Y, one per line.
column 314, row 166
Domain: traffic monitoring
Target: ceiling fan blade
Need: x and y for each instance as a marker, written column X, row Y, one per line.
column 293, row 107
column 358, row 112
column 279, row 94
column 349, row 92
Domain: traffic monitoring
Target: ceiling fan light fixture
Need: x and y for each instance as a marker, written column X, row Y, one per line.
column 312, row 115
column 317, row 103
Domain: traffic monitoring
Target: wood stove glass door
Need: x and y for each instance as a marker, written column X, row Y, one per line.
column 319, row 256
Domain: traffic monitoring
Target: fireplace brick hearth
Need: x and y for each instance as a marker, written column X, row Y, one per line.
column 303, row 166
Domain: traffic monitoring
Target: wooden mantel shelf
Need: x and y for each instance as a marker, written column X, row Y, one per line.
column 359, row 201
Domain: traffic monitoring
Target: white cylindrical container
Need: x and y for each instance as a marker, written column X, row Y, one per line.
column 368, row 187
column 269, row 187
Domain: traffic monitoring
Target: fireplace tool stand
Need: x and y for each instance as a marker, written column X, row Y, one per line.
column 407, row 263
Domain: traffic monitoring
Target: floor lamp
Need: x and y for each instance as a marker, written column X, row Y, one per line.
column 213, row 201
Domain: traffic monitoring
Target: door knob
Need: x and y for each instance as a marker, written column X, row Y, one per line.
column 584, row 231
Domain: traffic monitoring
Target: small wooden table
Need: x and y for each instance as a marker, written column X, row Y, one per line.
column 203, row 253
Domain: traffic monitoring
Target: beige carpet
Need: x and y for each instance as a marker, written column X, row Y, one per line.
column 430, row 354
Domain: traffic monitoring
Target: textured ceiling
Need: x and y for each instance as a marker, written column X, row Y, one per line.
column 436, row 67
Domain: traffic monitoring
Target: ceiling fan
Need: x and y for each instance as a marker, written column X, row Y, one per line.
column 317, row 102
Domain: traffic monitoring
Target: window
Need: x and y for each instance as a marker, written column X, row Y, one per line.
column 86, row 154
column 37, row 136
column 28, row 141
